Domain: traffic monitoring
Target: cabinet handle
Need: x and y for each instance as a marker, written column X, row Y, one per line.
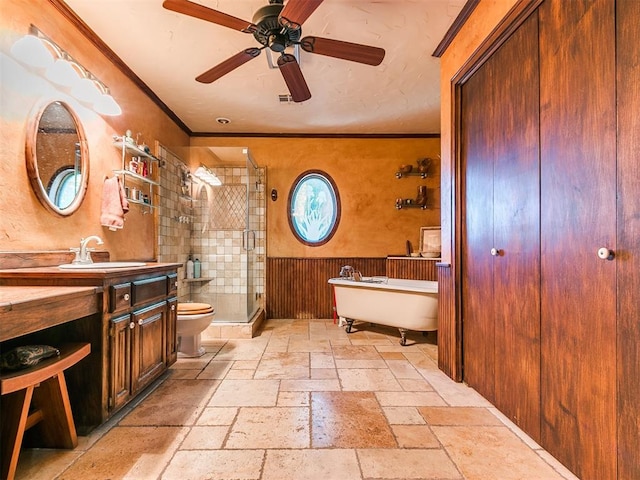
column 495, row 252
column 126, row 297
column 140, row 321
column 605, row 254
column 132, row 325
column 175, row 284
column 173, row 308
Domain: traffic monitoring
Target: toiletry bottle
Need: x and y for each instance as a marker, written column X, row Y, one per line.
column 189, row 268
column 196, row 268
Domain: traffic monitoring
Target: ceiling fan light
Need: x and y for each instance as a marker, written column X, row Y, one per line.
column 106, row 105
column 62, row 73
column 31, row 51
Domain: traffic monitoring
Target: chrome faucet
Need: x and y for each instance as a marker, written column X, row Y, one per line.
column 83, row 254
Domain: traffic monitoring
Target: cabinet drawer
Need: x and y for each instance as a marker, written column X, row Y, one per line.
column 144, row 291
column 172, row 284
column 119, row 297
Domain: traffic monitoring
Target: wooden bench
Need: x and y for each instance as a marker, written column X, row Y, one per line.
column 38, row 396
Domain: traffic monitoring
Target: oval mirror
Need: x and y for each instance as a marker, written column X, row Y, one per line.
column 57, row 157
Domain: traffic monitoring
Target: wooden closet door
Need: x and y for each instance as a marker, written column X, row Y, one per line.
column 501, row 302
column 628, row 252
column 477, row 157
column 516, row 225
column 578, row 205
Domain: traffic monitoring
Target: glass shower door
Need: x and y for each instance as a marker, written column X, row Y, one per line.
column 254, row 186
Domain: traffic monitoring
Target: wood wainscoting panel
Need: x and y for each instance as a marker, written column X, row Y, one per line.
column 298, row 288
column 449, row 341
column 412, row 268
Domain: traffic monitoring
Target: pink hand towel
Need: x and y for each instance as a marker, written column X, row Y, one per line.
column 114, row 204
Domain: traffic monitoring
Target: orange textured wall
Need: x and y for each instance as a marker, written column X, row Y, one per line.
column 25, row 224
column 364, row 173
column 363, row 169
column 480, row 24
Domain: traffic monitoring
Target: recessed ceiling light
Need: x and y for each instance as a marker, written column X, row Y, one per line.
column 223, row 121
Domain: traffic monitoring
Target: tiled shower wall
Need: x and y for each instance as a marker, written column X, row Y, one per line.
column 210, row 227
column 174, row 233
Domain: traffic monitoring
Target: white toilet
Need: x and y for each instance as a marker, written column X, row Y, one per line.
column 193, row 319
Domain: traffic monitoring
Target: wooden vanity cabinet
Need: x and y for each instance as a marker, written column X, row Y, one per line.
column 133, row 340
column 142, row 341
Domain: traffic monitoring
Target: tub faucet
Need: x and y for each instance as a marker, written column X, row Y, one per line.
column 346, row 271
column 83, row 254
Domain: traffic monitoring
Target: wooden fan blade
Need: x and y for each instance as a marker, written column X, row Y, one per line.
column 228, row 65
column 295, row 12
column 353, row 52
column 293, row 78
column 204, row 13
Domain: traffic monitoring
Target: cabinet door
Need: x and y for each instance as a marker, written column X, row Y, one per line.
column 172, row 337
column 628, row 250
column 149, row 351
column 578, row 191
column 120, row 361
column 501, row 314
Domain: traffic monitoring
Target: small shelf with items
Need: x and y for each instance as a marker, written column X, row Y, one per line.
column 423, row 169
column 409, row 203
column 186, row 207
column 133, row 149
column 137, row 170
column 421, row 201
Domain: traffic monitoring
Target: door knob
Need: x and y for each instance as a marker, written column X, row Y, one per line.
column 495, row 252
column 605, row 254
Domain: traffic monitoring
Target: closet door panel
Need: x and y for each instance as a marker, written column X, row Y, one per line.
column 478, row 100
column 578, row 202
column 517, row 230
column 628, row 252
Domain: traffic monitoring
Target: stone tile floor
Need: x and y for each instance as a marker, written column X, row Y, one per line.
column 304, row 400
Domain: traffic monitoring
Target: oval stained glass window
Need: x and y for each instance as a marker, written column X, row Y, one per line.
column 314, row 208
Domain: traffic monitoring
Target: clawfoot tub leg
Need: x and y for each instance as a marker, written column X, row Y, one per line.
column 403, row 336
column 349, row 324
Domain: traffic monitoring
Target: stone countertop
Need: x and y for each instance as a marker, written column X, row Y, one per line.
column 55, row 271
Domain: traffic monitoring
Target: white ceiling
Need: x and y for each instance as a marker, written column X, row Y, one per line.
column 167, row 50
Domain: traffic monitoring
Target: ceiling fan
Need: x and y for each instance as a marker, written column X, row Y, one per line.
column 277, row 26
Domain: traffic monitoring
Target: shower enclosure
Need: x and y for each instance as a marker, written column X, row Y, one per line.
column 225, row 229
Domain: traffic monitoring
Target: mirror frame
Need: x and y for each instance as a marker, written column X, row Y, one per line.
column 32, row 158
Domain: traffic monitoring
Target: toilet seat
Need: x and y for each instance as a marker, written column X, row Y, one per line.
column 194, row 308
column 192, row 320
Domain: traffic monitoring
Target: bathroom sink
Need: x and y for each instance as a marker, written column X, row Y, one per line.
column 100, row 265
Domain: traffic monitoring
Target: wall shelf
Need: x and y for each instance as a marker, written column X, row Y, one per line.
column 400, row 174
column 127, row 173
column 199, row 280
column 145, row 183
column 402, row 203
column 134, row 149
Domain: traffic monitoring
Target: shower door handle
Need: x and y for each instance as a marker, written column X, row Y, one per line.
column 248, row 240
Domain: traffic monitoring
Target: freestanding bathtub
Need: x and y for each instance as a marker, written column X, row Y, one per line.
column 394, row 302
